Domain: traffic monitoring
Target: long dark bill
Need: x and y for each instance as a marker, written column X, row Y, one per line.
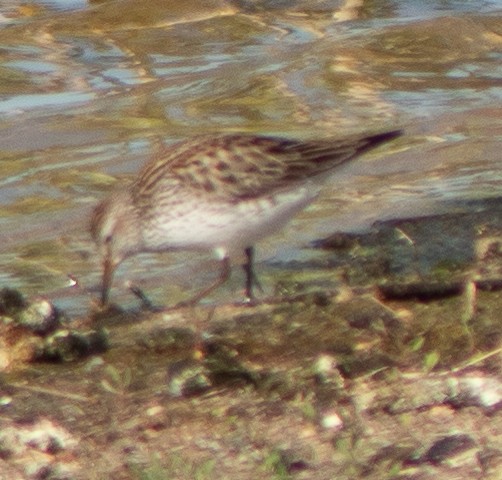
column 108, row 270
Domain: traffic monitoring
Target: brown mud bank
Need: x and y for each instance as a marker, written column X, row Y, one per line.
column 394, row 374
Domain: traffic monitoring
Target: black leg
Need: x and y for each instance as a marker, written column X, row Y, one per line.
column 146, row 303
column 251, row 278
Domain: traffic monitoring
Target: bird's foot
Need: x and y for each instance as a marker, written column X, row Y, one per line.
column 146, row 303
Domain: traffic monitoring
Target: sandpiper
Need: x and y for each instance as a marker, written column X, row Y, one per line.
column 220, row 193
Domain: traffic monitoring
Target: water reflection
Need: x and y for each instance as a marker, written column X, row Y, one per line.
column 65, row 4
column 89, row 90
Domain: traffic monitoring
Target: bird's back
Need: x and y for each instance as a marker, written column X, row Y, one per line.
column 243, row 167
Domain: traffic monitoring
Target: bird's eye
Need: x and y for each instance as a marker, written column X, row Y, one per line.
column 108, row 239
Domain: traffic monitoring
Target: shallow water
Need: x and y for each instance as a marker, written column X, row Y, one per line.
column 89, row 89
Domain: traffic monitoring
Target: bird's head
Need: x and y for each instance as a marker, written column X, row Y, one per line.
column 116, row 231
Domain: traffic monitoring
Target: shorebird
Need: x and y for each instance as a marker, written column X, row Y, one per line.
column 220, row 193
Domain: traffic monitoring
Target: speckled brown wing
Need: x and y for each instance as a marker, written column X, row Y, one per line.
column 238, row 167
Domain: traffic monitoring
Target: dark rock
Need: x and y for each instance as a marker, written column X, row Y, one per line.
column 40, row 316
column 11, row 301
column 187, row 378
column 428, row 290
column 70, row 345
column 286, row 461
column 447, row 447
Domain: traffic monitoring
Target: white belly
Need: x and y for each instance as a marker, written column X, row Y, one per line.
column 231, row 227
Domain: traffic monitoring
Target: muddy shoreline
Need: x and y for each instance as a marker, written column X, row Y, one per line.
column 357, row 382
